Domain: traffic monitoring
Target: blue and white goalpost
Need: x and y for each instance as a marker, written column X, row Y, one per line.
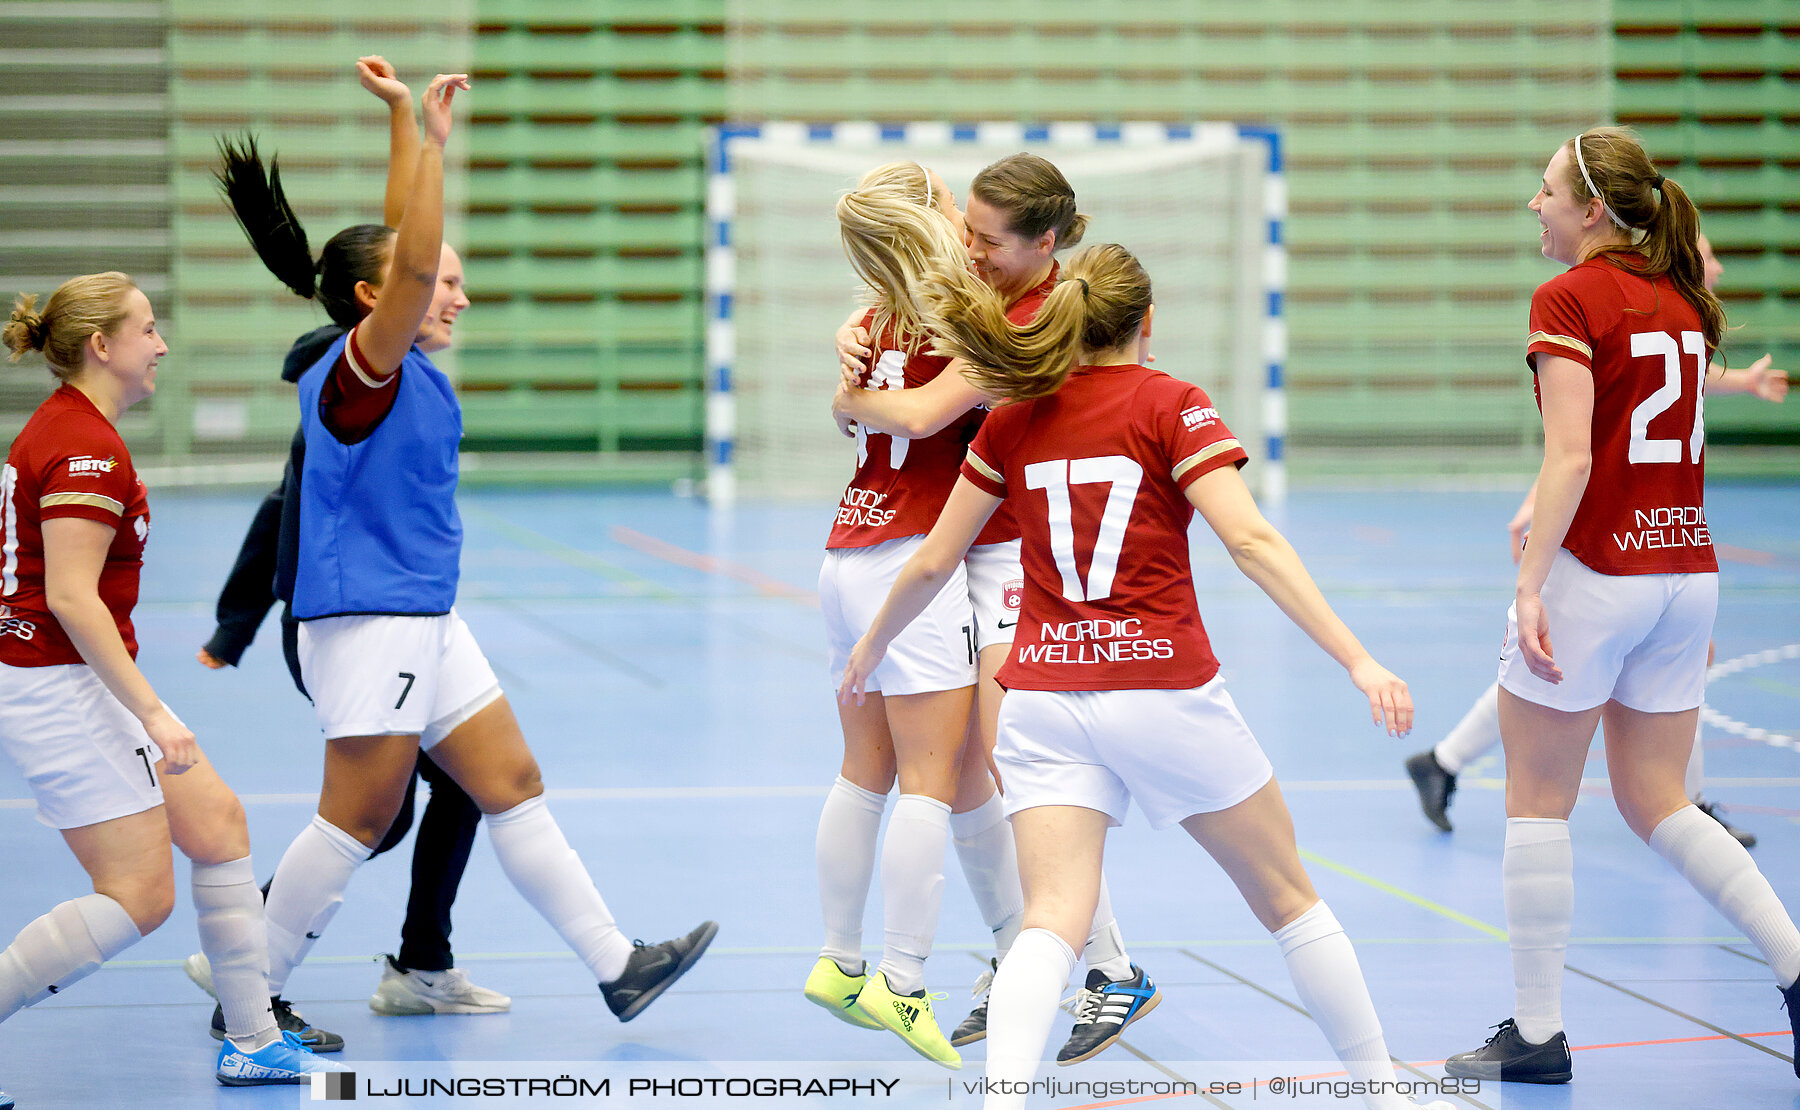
column 1201, row 205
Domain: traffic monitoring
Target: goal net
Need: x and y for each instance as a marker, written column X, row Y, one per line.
column 1200, row 205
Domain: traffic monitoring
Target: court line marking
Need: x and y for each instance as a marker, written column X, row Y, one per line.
column 1734, row 726
column 1426, row 903
column 522, row 612
column 533, row 540
column 1701, row 1022
column 1253, row 985
column 689, row 559
column 1404, row 895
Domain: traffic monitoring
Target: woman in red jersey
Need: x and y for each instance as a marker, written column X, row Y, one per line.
column 1113, row 689
column 894, row 224
column 109, row 764
column 1021, row 214
column 1620, row 570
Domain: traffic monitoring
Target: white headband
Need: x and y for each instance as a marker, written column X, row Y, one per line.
column 928, row 197
column 1604, row 207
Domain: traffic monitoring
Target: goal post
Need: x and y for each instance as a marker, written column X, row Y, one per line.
column 1201, row 205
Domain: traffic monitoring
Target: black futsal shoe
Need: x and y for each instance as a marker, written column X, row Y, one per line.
column 1103, row 1009
column 652, row 968
column 1742, row 836
column 974, row 1027
column 1510, row 1058
column 1435, row 785
column 1791, row 999
column 288, row 1020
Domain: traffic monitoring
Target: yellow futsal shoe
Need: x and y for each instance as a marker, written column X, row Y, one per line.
column 829, row 987
column 909, row 1017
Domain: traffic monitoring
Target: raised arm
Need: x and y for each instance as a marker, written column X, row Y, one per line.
column 74, row 554
column 389, row 330
column 1266, row 558
column 403, row 133
column 967, row 510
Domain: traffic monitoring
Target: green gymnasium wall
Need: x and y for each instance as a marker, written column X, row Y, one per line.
column 1415, row 131
column 1714, row 86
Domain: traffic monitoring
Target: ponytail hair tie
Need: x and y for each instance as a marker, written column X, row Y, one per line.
column 1084, row 287
column 1657, row 181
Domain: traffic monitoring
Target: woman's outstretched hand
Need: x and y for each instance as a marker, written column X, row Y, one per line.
column 438, row 96
column 378, row 77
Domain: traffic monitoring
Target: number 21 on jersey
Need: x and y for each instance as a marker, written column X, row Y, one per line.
column 1650, row 344
column 1055, row 477
column 889, row 373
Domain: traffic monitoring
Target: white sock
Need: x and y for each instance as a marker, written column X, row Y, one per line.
column 1328, row 979
column 990, row 864
column 1721, row 870
column 912, row 888
column 542, row 867
column 306, row 892
column 1537, row 879
column 1696, row 768
column 1478, row 731
column 61, row 948
column 1021, row 1008
column 1105, row 948
column 849, row 831
column 235, row 938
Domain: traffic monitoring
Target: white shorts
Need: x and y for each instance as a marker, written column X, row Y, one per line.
column 996, row 590
column 86, row 757
column 935, row 652
column 394, row 676
column 1178, row 752
column 1637, row 639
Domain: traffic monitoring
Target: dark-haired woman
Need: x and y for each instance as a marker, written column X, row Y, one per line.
column 422, row 976
column 1021, row 213
column 109, row 764
column 1621, row 570
column 1113, row 691
column 390, row 666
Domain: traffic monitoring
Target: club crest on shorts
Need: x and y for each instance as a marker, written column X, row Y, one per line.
column 1013, row 595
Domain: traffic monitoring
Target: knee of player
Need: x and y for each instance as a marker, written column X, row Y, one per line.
column 148, row 899
column 224, row 837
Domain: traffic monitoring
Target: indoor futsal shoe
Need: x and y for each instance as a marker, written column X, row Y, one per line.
column 1434, row 784
column 909, row 1017
column 288, row 1020
column 1789, row 998
column 974, row 1027
column 653, row 968
column 6, row 1101
column 282, row 1060
column 828, row 986
column 1742, row 836
column 404, row 993
column 1103, row 1009
column 1510, row 1058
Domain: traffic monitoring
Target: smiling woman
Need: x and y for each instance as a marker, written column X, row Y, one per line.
column 109, row 764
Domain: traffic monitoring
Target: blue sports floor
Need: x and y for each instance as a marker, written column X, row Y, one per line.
column 669, row 670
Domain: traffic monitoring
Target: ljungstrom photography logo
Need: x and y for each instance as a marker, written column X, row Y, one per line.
column 332, row 1086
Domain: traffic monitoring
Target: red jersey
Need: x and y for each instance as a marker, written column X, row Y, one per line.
column 1098, row 472
column 1643, row 511
column 901, row 484
column 67, row 462
column 1004, row 524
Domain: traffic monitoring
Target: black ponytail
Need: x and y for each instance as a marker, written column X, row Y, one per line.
column 257, row 200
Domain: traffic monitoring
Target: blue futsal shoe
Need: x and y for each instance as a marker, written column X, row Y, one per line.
column 285, row 1060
